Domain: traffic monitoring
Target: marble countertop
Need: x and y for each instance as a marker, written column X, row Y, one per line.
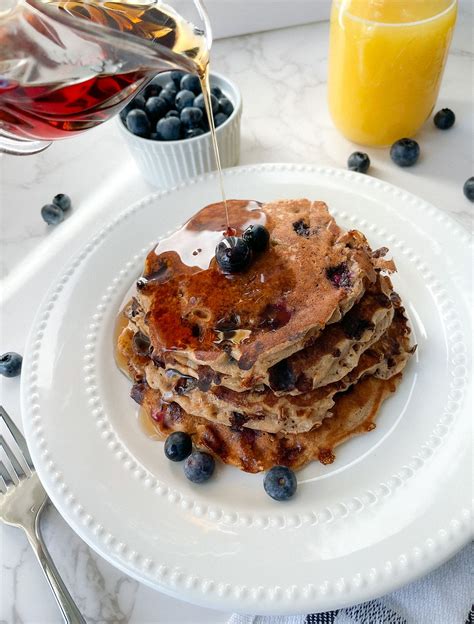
column 282, row 76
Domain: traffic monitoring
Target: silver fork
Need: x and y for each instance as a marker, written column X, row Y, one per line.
column 22, row 502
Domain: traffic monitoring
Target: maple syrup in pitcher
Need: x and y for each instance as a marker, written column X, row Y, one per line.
column 71, row 74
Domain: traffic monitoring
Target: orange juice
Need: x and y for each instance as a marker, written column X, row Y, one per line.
column 386, row 60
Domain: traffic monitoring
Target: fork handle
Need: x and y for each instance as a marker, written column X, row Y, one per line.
column 69, row 610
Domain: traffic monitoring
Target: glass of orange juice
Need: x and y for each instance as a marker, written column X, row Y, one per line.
column 386, row 60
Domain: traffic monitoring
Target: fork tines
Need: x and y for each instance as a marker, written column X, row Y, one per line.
column 10, row 465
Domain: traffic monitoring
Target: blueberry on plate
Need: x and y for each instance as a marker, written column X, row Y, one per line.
column 468, row 188
column 358, row 161
column 183, row 99
column 199, row 102
column 156, row 107
column 176, row 77
column 191, row 116
column 217, row 92
column 138, row 122
column 171, row 86
column 257, row 237
column 52, row 214
column 62, row 201
column 226, row 106
column 280, row 483
column 152, row 90
column 193, row 132
column 444, row 119
column 199, row 467
column 172, row 113
column 138, row 102
column 219, row 119
column 405, row 152
column 190, row 82
column 169, row 129
column 233, row 254
column 178, row 446
column 10, row 364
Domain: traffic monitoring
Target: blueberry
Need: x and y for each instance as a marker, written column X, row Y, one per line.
column 52, row 214
column 280, row 483
column 199, row 467
column 152, row 90
column 178, row 446
column 168, row 96
column 190, row 82
column 153, row 136
column 62, row 201
column 172, row 113
column 358, row 161
column 444, row 119
column 183, row 99
column 156, row 107
column 169, row 129
column 217, row 92
column 199, row 102
column 219, row 119
column 191, row 116
column 282, row 378
column 233, row 254
column 171, row 87
column 226, row 106
column 176, row 77
column 10, row 364
column 256, row 237
column 468, row 188
column 193, row 132
column 138, row 102
column 138, row 122
column 405, row 152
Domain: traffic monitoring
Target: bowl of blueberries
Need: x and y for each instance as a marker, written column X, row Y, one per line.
column 167, row 130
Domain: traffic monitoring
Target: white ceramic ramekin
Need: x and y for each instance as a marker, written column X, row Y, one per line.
column 167, row 163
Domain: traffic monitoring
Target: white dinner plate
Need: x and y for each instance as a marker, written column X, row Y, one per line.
column 393, row 505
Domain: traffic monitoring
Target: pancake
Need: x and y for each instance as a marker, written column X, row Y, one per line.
column 354, row 413
column 265, row 411
column 242, row 324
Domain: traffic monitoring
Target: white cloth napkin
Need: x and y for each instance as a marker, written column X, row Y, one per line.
column 443, row 597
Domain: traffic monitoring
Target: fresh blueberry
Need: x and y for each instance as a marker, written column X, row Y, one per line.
column 169, row 129
column 199, row 102
column 176, row 77
column 468, row 188
column 183, row 99
column 156, row 107
column 152, row 90
column 257, row 237
column 217, row 92
column 199, row 467
column 280, row 483
column 226, row 106
column 170, row 86
column 405, row 152
column 190, row 82
column 178, row 446
column 172, row 113
column 168, row 96
column 444, row 119
column 62, row 201
column 138, row 102
column 52, row 214
column 10, row 364
column 191, row 116
column 233, row 254
column 219, row 119
column 138, row 122
column 193, row 132
column 358, row 161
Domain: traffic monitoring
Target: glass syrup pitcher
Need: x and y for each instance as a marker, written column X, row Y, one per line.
column 68, row 65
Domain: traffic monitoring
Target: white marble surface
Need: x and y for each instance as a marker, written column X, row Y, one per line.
column 282, row 75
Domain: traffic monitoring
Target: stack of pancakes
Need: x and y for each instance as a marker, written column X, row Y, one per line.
column 275, row 365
